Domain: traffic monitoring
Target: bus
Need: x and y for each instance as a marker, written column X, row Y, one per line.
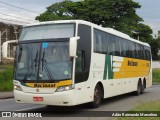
column 71, row 62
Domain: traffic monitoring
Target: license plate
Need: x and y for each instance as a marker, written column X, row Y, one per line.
column 37, row 98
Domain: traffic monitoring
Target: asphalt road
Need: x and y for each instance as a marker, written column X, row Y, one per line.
column 118, row 103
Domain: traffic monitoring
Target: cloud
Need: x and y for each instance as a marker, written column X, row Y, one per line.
column 154, row 25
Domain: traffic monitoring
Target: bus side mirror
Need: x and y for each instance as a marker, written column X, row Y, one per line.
column 73, row 46
column 5, row 46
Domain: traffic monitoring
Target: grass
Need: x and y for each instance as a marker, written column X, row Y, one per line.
column 6, row 78
column 147, row 107
column 156, row 75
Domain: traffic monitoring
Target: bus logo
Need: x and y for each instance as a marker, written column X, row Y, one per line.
column 37, row 90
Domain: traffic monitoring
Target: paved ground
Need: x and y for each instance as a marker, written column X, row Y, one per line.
column 119, row 103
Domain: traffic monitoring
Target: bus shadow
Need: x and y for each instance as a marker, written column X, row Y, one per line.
column 121, row 97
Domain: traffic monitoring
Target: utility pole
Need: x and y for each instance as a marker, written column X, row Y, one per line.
column 16, row 32
column 138, row 36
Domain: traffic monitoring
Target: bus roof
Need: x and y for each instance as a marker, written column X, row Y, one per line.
column 109, row 30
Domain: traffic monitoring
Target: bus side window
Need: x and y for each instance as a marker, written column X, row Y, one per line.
column 105, row 38
column 131, row 49
column 100, row 42
column 142, row 52
column 147, row 53
column 127, row 48
column 123, row 47
column 137, row 51
column 114, row 46
column 96, row 42
column 80, row 61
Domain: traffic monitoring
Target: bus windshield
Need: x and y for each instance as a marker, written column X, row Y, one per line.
column 43, row 61
column 47, row 31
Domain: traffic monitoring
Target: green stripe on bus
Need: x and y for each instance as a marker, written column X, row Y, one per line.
column 108, row 65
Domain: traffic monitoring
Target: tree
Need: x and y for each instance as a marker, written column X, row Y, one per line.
column 144, row 32
column 118, row 14
column 155, row 46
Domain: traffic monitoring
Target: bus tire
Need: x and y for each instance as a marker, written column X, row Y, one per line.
column 98, row 95
column 139, row 88
column 142, row 88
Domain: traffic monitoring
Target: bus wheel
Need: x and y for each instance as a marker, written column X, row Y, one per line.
column 139, row 88
column 142, row 88
column 98, row 94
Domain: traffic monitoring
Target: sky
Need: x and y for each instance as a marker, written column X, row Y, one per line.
column 149, row 11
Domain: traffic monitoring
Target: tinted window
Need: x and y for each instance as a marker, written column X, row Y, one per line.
column 142, row 52
column 147, row 53
column 131, row 49
column 84, row 48
column 114, row 45
column 47, row 32
column 123, row 47
column 127, row 48
column 137, row 51
column 97, row 42
column 100, row 41
column 80, row 61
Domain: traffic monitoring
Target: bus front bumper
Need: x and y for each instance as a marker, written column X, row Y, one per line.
column 65, row 98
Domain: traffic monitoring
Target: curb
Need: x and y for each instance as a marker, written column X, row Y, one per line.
column 6, row 95
column 155, row 83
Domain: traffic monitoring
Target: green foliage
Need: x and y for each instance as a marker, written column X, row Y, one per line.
column 155, row 45
column 154, row 49
column 118, row 14
column 144, row 33
column 156, row 75
column 6, row 78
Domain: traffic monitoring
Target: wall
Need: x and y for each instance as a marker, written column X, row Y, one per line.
column 156, row 64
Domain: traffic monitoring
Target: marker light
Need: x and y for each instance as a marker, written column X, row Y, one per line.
column 65, row 88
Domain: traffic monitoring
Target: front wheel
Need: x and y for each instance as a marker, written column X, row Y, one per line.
column 98, row 95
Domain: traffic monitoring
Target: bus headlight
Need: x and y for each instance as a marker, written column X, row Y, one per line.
column 17, row 87
column 65, row 88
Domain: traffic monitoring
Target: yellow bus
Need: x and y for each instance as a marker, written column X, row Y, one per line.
column 71, row 62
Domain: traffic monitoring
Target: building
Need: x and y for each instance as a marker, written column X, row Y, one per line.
column 9, row 32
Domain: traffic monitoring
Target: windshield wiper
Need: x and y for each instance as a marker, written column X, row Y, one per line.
column 30, row 69
column 45, row 66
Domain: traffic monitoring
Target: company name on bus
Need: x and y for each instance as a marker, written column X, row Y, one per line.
column 132, row 63
column 44, row 85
